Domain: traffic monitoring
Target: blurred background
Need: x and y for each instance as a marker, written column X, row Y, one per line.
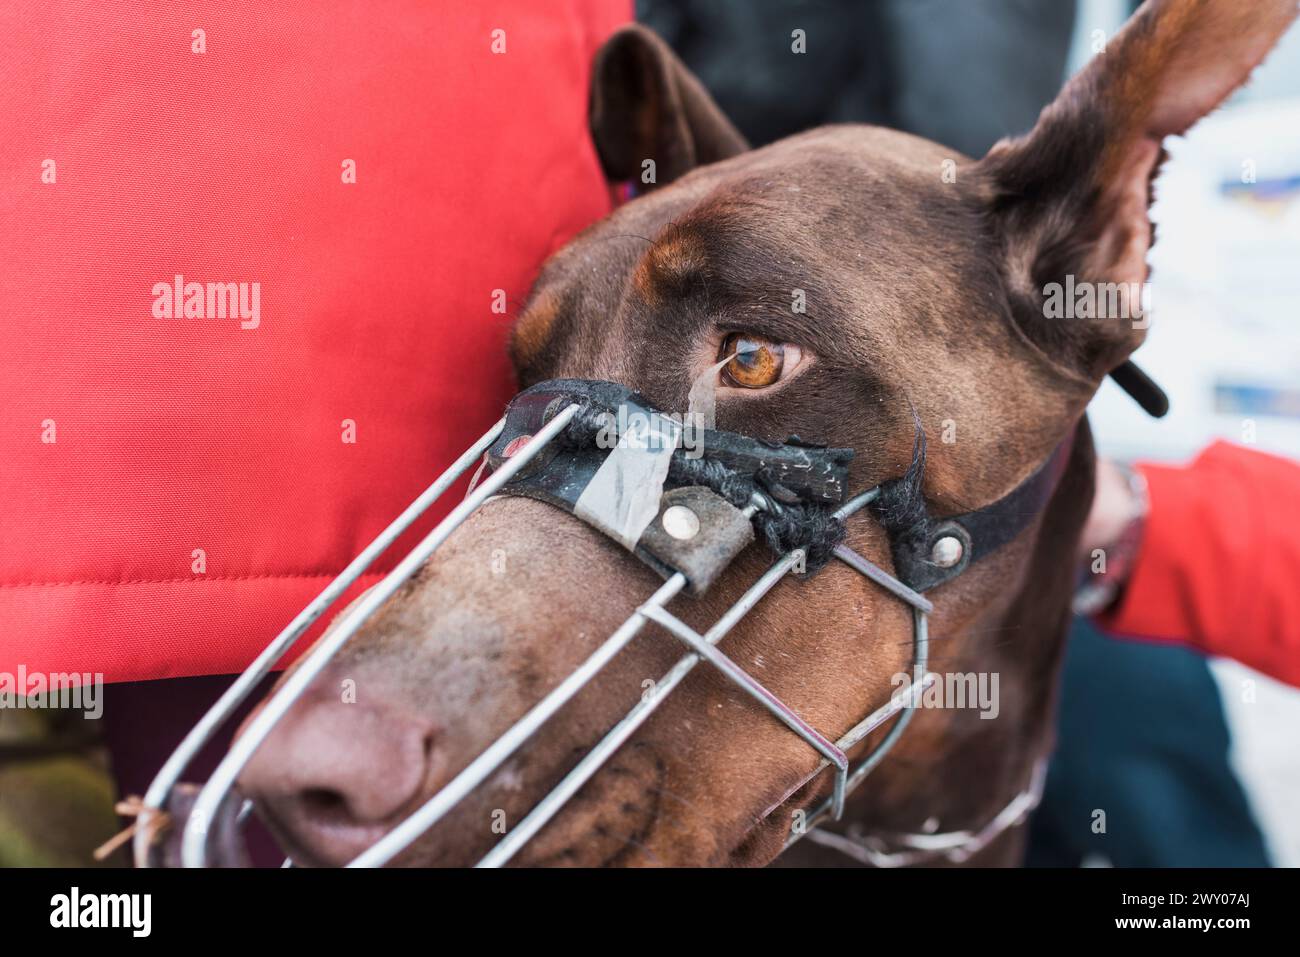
column 1194, row 761
column 1225, row 343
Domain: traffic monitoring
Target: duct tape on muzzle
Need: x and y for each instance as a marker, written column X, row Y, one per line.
column 622, row 467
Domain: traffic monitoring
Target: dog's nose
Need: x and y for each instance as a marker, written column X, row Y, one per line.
column 333, row 776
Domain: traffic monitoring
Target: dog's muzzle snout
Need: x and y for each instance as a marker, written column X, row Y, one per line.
column 605, row 455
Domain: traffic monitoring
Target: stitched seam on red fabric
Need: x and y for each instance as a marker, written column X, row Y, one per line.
column 168, row 581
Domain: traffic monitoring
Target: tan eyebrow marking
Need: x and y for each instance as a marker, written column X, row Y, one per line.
column 533, row 329
column 677, row 257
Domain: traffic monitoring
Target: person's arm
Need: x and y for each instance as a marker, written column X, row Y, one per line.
column 1218, row 564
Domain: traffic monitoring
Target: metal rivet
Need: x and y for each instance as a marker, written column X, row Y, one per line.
column 947, row 551
column 680, row 522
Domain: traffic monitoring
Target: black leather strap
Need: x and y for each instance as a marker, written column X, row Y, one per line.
column 790, row 472
column 984, row 531
column 806, row 479
column 981, row 532
column 714, row 484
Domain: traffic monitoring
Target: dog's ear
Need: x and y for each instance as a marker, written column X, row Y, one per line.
column 645, row 105
column 1070, row 198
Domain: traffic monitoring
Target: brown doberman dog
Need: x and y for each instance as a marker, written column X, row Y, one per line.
column 923, row 277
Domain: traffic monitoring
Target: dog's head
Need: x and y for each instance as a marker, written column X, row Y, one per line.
column 866, row 277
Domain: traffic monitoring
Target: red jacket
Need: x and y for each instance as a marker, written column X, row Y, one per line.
column 1219, row 563
column 360, row 193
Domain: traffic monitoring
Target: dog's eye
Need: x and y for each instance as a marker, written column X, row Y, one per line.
column 755, row 363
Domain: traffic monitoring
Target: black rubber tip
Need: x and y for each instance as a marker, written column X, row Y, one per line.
column 1141, row 387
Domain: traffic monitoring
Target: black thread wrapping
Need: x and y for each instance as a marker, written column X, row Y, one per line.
column 900, row 506
column 813, row 528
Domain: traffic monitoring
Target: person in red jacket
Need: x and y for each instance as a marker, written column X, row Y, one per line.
column 259, row 263
column 1207, row 554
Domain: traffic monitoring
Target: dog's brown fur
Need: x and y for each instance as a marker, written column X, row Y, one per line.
column 923, row 296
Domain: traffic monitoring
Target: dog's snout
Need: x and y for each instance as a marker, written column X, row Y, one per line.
column 333, row 776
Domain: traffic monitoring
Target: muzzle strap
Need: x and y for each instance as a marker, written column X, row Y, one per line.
column 619, row 454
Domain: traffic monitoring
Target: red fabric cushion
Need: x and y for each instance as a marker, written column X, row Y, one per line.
column 177, row 434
